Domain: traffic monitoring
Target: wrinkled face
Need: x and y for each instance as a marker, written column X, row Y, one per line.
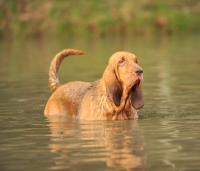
column 127, row 70
column 123, row 79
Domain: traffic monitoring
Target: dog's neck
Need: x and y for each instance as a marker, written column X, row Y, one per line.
column 102, row 108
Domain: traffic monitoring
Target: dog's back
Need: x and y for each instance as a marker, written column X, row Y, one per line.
column 67, row 99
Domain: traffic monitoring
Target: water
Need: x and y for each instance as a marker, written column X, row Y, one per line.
column 165, row 137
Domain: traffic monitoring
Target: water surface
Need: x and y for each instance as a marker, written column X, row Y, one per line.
column 165, row 136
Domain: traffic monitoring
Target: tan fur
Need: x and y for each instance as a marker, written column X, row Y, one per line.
column 116, row 96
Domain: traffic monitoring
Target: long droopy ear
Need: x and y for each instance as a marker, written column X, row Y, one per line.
column 113, row 86
column 137, row 99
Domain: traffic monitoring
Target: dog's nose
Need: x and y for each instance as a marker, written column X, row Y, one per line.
column 138, row 71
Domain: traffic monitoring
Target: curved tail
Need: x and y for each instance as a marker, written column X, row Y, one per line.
column 53, row 71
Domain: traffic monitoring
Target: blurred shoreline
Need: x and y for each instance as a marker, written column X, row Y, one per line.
column 50, row 18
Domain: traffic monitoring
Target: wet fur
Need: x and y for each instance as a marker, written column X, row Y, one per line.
column 109, row 98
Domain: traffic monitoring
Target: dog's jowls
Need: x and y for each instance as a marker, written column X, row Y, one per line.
column 116, row 96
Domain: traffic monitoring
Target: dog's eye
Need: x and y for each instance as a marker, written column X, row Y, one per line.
column 121, row 61
column 135, row 59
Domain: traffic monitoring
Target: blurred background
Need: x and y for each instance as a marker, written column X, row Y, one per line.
column 35, row 18
column 163, row 34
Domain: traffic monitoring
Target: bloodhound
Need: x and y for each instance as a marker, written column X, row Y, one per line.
column 116, row 96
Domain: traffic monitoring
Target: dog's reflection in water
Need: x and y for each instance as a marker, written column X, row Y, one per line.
column 103, row 144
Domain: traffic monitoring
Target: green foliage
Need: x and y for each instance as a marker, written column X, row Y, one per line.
column 99, row 17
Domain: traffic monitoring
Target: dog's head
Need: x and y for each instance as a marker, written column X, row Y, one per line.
column 123, row 77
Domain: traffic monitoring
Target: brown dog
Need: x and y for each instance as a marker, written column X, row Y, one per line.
column 116, row 96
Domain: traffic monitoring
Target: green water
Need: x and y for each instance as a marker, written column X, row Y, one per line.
column 165, row 136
